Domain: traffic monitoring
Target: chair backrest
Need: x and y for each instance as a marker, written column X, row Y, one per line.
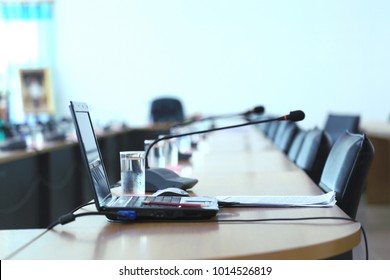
column 313, row 153
column 264, row 127
column 273, row 128
column 337, row 124
column 285, row 135
column 167, row 109
column 296, row 145
column 346, row 169
column 8, row 130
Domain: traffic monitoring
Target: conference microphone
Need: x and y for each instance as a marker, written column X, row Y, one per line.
column 256, row 110
column 294, row 116
column 160, row 178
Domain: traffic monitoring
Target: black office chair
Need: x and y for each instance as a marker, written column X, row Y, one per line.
column 313, row 153
column 346, row 169
column 345, row 172
column 337, row 124
column 9, row 130
column 264, row 127
column 166, row 109
column 14, row 137
column 280, row 130
column 272, row 129
column 285, row 135
column 296, row 145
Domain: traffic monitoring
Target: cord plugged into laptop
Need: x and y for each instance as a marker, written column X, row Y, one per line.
column 122, row 215
column 131, row 215
column 70, row 217
column 67, row 218
column 126, row 215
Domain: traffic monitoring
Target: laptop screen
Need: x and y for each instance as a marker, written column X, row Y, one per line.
column 91, row 152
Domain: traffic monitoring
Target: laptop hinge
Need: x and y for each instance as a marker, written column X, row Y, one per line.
column 109, row 200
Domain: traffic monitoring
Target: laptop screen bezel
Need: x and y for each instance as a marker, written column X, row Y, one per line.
column 82, row 108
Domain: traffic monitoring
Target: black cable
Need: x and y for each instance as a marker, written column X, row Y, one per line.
column 82, row 205
column 71, row 217
column 365, row 240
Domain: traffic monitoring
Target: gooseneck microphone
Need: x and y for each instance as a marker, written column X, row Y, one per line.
column 294, row 116
column 162, row 178
column 258, row 110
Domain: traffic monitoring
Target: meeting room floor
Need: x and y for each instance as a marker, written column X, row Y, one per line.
column 375, row 218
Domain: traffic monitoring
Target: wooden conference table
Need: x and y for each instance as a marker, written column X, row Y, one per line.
column 378, row 178
column 239, row 162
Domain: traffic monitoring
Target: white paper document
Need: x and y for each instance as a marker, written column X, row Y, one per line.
column 323, row 200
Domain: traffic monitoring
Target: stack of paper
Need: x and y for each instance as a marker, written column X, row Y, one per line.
column 324, row 200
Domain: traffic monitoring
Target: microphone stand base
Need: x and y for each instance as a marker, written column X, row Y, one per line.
column 162, row 178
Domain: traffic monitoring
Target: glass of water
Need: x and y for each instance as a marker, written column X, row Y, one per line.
column 132, row 165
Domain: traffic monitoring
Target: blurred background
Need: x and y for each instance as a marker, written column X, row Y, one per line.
column 216, row 56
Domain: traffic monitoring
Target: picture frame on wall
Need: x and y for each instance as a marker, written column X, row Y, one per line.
column 3, row 107
column 36, row 91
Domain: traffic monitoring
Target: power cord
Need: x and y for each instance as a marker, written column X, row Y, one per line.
column 127, row 216
column 82, row 205
column 71, row 216
column 67, row 218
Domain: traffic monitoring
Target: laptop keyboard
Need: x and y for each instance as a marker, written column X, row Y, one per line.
column 138, row 201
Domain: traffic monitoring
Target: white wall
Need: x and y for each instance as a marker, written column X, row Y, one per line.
column 224, row 56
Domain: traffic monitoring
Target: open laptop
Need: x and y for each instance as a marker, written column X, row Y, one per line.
column 130, row 207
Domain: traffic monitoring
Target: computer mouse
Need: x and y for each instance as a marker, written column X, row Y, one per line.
column 171, row 192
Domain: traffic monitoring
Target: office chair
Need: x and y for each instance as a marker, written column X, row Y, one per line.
column 9, row 130
column 285, row 135
column 263, row 127
column 272, row 130
column 313, row 153
column 337, row 124
column 166, row 109
column 346, row 169
column 15, row 139
column 296, row 144
column 280, row 130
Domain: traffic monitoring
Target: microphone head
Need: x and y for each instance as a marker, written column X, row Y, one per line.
column 258, row 110
column 295, row 116
column 255, row 110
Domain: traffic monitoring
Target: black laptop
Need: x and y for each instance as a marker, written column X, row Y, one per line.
column 130, row 207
